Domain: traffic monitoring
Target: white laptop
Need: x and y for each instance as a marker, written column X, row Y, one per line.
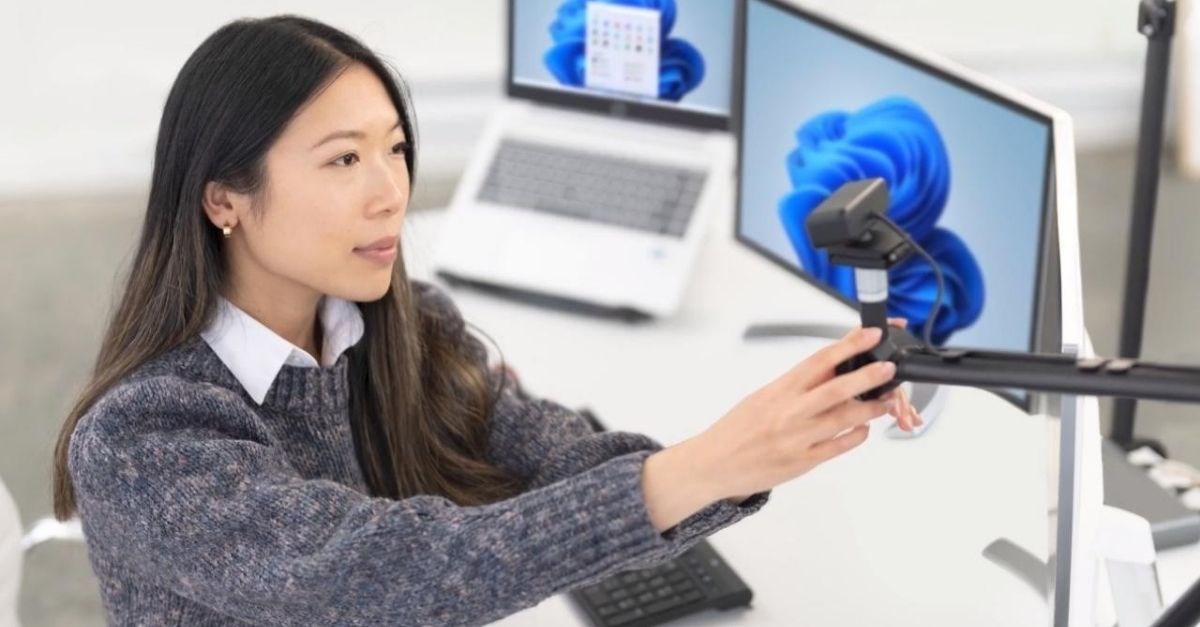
column 594, row 182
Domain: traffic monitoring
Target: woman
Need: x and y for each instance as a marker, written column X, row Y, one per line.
column 282, row 429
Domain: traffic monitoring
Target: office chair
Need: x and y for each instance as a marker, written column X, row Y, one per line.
column 14, row 547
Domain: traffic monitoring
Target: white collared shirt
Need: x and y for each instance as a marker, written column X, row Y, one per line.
column 255, row 354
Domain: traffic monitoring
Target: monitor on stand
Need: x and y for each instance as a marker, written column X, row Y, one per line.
column 968, row 163
column 985, row 174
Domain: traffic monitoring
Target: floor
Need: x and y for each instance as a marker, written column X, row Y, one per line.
column 60, row 257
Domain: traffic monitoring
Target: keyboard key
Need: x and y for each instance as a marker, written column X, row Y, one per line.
column 663, row 605
column 601, row 188
column 597, row 596
column 627, row 617
column 664, row 592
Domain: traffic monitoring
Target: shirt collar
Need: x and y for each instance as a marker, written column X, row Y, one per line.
column 255, row 354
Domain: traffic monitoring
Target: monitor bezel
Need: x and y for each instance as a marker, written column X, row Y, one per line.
column 922, row 61
column 1080, row 490
column 615, row 106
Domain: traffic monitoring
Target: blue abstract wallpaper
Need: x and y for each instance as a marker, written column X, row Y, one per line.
column 967, row 173
column 681, row 65
column 895, row 139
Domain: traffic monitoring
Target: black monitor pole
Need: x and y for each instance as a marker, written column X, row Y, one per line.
column 1156, row 20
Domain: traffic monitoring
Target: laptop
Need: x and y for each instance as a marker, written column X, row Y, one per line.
column 593, row 182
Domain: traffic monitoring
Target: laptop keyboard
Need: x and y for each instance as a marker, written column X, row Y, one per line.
column 589, row 186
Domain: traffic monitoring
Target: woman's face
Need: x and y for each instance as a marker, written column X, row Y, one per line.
column 334, row 199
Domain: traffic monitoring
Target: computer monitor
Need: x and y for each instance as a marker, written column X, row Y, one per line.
column 658, row 60
column 968, row 165
column 985, row 172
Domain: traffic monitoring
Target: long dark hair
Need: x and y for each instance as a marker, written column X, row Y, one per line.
column 419, row 397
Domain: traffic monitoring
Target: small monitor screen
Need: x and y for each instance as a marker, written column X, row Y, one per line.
column 673, row 54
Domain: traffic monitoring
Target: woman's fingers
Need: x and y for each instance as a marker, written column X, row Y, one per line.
column 847, row 415
column 826, row 450
column 901, row 409
column 847, row 386
column 905, row 407
column 917, row 421
column 819, row 368
column 897, row 408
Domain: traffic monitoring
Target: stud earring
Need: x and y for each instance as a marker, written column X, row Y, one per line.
column 227, row 230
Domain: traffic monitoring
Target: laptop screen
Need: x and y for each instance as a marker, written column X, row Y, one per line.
column 668, row 60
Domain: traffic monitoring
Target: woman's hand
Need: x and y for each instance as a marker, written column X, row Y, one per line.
column 781, row 431
column 901, row 408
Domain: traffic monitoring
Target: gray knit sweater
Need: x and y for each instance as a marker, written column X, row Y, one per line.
column 201, row 507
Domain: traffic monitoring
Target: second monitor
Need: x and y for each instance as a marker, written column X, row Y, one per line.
column 969, row 167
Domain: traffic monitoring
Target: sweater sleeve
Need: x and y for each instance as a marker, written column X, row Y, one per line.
column 189, row 496
column 543, row 442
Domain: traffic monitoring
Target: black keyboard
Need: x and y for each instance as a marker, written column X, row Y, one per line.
column 697, row 581
column 613, row 190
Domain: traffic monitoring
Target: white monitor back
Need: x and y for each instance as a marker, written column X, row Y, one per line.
column 1076, row 464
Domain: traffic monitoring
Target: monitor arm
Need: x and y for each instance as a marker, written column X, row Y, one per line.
column 853, row 227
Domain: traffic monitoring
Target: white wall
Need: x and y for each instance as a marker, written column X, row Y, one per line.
column 1084, row 56
column 1189, row 92
column 84, row 82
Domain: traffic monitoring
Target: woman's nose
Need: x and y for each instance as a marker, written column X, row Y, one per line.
column 391, row 189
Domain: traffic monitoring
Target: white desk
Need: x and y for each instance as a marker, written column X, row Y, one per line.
column 890, row 534
column 1178, row 569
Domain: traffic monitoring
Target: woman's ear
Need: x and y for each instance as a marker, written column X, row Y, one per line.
column 223, row 206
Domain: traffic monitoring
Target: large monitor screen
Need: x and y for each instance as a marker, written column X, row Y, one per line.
column 675, row 56
column 968, row 171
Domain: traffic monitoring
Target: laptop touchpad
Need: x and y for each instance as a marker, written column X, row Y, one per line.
column 542, row 255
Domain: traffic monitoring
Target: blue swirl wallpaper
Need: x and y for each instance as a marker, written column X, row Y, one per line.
column 893, row 138
column 967, row 173
column 681, row 66
column 694, row 66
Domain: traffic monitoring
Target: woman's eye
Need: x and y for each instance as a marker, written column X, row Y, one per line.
column 347, row 159
column 400, row 148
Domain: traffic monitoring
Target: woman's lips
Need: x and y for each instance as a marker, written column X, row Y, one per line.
column 380, row 255
column 382, row 250
column 382, row 243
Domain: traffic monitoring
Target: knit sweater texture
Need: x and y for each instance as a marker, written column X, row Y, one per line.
column 202, row 507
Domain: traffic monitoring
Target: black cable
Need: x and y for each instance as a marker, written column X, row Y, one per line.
column 927, row 331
